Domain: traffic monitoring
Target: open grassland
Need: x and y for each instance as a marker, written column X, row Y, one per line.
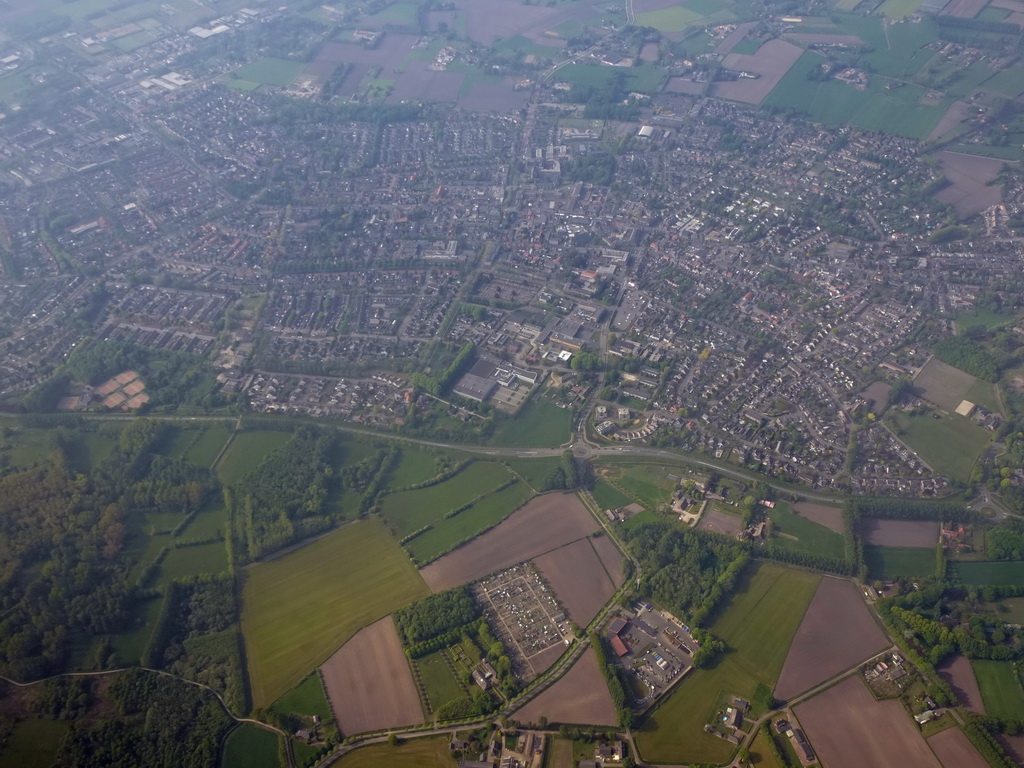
column 270, row 71
column 539, row 424
column 299, row 608
column 204, row 450
column 430, row 752
column 249, row 746
column 649, row 484
column 898, row 9
column 794, row 531
column 849, row 729
column 33, row 744
column 438, row 680
column 448, row 533
column 534, row 471
column 836, row 633
column 415, row 465
column 608, row 496
column 998, row 573
column 181, row 562
column 409, row 511
column 757, row 625
column 1000, row 688
column 950, row 444
column 306, row 699
column 943, row 384
column 247, row 451
column 899, row 562
column 26, row 446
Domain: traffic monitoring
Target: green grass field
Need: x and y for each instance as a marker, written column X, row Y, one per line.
column 270, row 71
column 757, row 626
column 761, row 753
column 899, row 562
column 129, row 646
column 486, row 513
column 430, row 752
column 246, row 452
column 209, row 558
column 648, row 484
column 210, row 522
column 983, row 393
column 996, row 573
column 608, row 496
column 810, row 536
column 33, row 744
column 300, row 608
column 438, row 681
column 898, row 9
column 980, row 317
column 538, row 424
column 27, row 446
column 306, row 699
column 249, row 746
column 1000, row 688
column 675, row 18
column 408, row 511
column 414, row 466
column 534, row 471
column 204, row 450
column 950, row 444
column 1009, row 82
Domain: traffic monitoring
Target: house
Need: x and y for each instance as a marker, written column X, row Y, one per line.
column 609, row 753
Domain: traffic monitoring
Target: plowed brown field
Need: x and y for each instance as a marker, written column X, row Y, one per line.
column 581, row 696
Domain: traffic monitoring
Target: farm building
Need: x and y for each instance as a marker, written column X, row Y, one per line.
column 618, row 646
column 966, row 408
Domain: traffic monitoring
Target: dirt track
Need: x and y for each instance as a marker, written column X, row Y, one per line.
column 369, row 682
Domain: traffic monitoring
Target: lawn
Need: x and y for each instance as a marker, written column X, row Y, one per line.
column 270, row 71
column 534, row 471
column 899, row 562
column 950, row 443
column 247, row 451
column 300, row 608
column 1000, row 688
column 608, row 496
column 430, row 752
column 810, row 536
column 981, row 317
column 306, row 699
column 438, row 681
column 757, row 626
column 996, row 573
column 761, row 752
column 33, row 744
column 539, row 424
column 249, row 746
column 408, row 511
column 447, row 533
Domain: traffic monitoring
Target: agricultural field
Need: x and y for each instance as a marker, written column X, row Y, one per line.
column 205, row 448
column 837, row 632
column 882, row 532
column 414, row 465
column 369, row 682
column 608, row 496
column 849, row 729
column 980, row 573
column 545, row 523
column 538, row 424
column 579, row 697
column 579, row 579
column 409, row 511
column 649, row 484
column 247, row 451
column 830, row 517
column 955, row 750
column 959, row 673
column 950, row 444
column 899, row 562
column 757, row 625
column 428, row 752
column 448, row 533
column 1000, row 687
column 330, row 588
column 792, row 530
column 33, row 744
column 305, row 700
column 249, row 746
column 719, row 518
column 270, row 71
column 534, row 471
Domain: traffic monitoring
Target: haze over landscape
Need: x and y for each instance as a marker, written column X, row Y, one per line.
column 513, row 384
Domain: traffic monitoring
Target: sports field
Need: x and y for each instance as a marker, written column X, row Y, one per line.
column 298, row 609
column 249, row 746
column 899, row 562
column 1000, row 688
column 757, row 626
